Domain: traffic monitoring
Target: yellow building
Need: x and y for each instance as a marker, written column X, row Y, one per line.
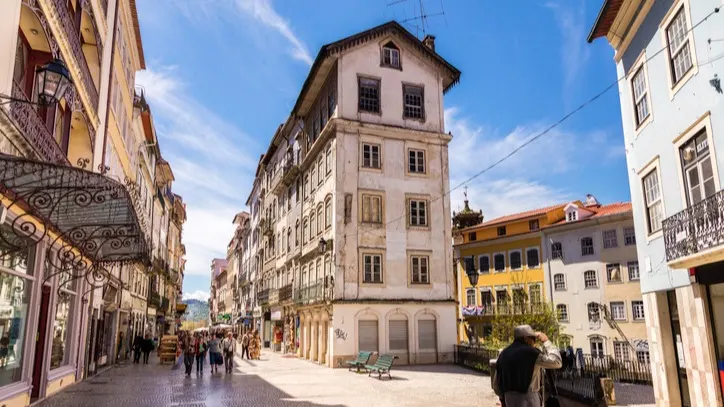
column 506, row 253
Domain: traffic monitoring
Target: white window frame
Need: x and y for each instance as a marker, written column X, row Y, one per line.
column 643, row 172
column 419, row 153
column 505, row 262
column 467, row 297
column 629, row 236
column 392, row 52
column 480, row 269
column 557, row 254
column 372, row 163
column 585, row 284
column 562, row 316
column 592, row 247
column 703, row 123
column 372, row 256
column 638, row 270
column 410, row 88
column 609, row 268
column 598, row 340
column 537, row 251
column 609, row 241
column 621, row 353
column 683, row 7
column 639, row 69
column 418, row 221
column 622, row 305
column 421, row 258
column 555, row 284
column 634, row 312
column 510, row 262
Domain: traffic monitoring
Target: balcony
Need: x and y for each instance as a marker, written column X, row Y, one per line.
column 164, row 305
column 285, row 293
column 262, row 298
column 265, row 225
column 694, row 236
column 274, row 297
column 154, row 300
column 315, row 293
column 284, row 177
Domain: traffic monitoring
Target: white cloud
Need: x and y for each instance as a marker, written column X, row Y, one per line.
column 263, row 11
column 574, row 51
column 196, row 295
column 523, row 181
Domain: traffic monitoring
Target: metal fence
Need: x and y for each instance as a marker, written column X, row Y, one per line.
column 625, row 371
column 475, row 357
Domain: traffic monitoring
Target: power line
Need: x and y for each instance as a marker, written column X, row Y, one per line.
column 549, row 128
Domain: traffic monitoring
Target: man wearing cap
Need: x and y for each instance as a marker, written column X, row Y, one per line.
column 519, row 369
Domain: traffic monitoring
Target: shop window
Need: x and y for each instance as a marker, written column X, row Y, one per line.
column 62, row 325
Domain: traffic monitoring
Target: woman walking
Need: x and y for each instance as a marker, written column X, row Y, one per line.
column 228, row 345
column 187, row 347
column 200, row 351
column 214, row 354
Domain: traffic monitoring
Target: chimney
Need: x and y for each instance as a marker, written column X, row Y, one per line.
column 429, row 41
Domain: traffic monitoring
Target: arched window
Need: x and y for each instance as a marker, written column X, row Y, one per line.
column 303, row 279
column 320, row 219
column 296, row 233
column 328, row 212
column 391, row 55
column 289, row 239
column 562, row 312
column 305, row 230
column 318, row 273
column 320, row 170
column 312, row 227
column 327, row 266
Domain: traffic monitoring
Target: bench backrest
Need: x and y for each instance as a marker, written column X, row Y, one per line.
column 363, row 357
column 385, row 361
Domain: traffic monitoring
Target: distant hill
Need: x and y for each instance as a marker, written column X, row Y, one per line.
column 196, row 310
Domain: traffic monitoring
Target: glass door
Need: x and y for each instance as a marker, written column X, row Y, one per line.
column 679, row 350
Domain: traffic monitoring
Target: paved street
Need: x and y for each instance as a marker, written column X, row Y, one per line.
column 282, row 381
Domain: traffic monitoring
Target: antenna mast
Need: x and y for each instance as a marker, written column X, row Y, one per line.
column 419, row 22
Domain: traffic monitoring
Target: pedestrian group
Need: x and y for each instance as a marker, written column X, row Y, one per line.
column 221, row 349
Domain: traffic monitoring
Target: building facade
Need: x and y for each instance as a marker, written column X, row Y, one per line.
column 348, row 239
column 506, row 254
column 671, row 102
column 592, row 272
column 74, row 265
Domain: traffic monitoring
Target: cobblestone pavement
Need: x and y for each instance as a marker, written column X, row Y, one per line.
column 278, row 381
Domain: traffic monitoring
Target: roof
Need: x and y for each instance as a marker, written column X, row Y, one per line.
column 517, row 216
column 605, row 19
column 137, row 32
column 364, row 36
column 602, row 211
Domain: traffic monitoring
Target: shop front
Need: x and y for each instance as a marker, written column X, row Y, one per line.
column 276, row 329
column 55, row 252
column 711, row 276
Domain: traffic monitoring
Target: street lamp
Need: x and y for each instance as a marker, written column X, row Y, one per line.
column 470, row 271
column 322, row 245
column 52, row 81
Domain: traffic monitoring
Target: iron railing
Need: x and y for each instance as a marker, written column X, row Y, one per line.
column 154, row 300
column 696, row 228
column 474, row 357
column 274, row 297
column 625, row 371
column 165, row 305
column 320, row 290
column 285, row 293
column 33, row 128
column 262, row 298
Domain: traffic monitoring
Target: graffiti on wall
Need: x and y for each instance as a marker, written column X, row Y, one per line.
column 340, row 334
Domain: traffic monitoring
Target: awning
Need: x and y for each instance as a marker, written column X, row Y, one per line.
column 90, row 216
column 180, row 308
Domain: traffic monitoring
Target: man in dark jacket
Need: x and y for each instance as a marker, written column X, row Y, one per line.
column 137, row 346
column 147, row 346
column 519, row 368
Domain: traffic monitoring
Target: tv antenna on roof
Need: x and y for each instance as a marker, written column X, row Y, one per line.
column 419, row 20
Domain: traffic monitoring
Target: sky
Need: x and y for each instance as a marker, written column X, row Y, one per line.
column 221, row 75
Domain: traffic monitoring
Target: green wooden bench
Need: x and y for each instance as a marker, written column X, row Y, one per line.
column 381, row 366
column 359, row 362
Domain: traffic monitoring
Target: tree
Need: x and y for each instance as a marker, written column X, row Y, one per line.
column 543, row 318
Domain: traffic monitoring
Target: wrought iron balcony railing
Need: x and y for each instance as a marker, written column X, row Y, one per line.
column 73, row 36
column 34, row 130
column 262, row 298
column 274, row 297
column 165, row 304
column 154, row 300
column 697, row 228
column 285, row 293
column 314, row 293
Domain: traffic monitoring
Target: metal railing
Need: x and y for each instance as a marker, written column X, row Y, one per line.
column 274, row 297
column 154, row 300
column 474, row 357
column 262, row 298
column 285, row 293
column 320, row 290
column 695, row 229
column 165, row 304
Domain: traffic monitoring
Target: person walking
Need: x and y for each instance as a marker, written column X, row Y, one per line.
column 187, row 347
column 255, row 346
column 245, row 344
column 519, row 368
column 146, row 348
column 228, row 346
column 137, row 345
column 200, row 352
column 214, row 354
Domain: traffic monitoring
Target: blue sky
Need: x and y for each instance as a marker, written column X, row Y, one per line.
column 222, row 74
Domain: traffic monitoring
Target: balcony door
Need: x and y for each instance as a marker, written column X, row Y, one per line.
column 697, row 167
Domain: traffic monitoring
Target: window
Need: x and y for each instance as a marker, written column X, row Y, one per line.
column 586, row 246
column 398, row 335
column 559, row 282
column 320, row 171
column 531, row 258
column 472, row 236
column 312, row 184
column 320, row 219
column 371, row 208
column 484, row 263
column 371, row 155
column 328, row 213
column 572, row 216
column 556, row 250
column 470, row 297
column 420, row 273
column 418, row 212
column 613, row 273
column 391, row 55
column 652, row 198
column 312, row 225
column 609, row 239
column 620, row 352
column 594, row 312
column 427, row 334
column 533, row 224
column 372, row 268
column 416, row 162
column 640, row 96
column 296, row 189
column 328, row 158
column 296, row 233
column 413, row 99
column 562, row 312
column 501, row 230
column 643, row 357
column 516, row 261
column 486, row 298
column 629, row 236
column 534, row 293
column 305, row 230
column 589, row 279
column 289, row 239
column 637, row 308
column 698, row 172
column 369, row 95
column 679, row 47
column 368, row 336
column 618, row 310
column 499, row 262
column 633, row 271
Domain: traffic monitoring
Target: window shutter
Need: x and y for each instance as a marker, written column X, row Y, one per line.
column 427, row 333
column 367, row 333
column 398, row 335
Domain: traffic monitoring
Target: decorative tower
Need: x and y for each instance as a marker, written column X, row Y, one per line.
column 465, row 218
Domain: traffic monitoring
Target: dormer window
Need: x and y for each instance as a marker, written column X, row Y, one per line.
column 572, row 216
column 391, row 55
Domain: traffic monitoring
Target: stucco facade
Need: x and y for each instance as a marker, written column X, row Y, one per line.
column 672, row 125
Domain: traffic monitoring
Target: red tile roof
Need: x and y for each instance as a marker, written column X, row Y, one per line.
column 600, row 212
column 604, row 21
column 517, row 216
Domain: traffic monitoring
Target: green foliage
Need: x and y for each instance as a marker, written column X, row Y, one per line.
column 543, row 320
column 196, row 310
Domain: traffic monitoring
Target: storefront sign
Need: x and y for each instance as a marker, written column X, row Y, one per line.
column 276, row 315
column 257, row 313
